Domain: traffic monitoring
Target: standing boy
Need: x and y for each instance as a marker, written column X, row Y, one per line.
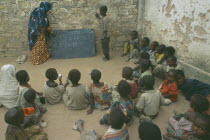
column 104, row 29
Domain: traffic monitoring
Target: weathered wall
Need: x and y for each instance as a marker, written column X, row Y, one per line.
column 66, row 14
column 183, row 24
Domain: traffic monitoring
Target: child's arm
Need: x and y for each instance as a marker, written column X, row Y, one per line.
column 92, row 104
column 140, row 105
column 175, row 137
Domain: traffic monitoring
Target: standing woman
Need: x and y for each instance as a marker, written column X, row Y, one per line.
column 8, row 86
column 38, row 31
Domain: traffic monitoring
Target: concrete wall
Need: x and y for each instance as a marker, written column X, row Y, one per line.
column 183, row 24
column 66, row 14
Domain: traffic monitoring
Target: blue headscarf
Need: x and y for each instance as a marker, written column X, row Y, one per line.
column 38, row 20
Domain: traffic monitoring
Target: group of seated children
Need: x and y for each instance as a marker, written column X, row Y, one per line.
column 134, row 96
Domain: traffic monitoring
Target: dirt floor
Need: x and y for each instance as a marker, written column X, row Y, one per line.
column 60, row 119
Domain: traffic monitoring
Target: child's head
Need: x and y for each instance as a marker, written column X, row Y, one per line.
column 145, row 42
column 124, row 88
column 154, row 45
column 51, row 74
column 171, row 75
column 201, row 126
column 117, row 118
column 144, row 55
column 103, row 10
column 170, row 51
column 147, row 82
column 30, row 96
column 172, row 61
column 14, row 116
column 95, row 75
column 127, row 72
column 180, row 77
column 161, row 49
column 74, row 76
column 134, row 35
column 149, row 131
column 145, row 64
column 22, row 76
column 199, row 103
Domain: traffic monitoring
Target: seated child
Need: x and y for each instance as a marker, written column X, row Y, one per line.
column 23, row 79
column 131, row 44
column 136, row 69
column 169, row 88
column 145, row 66
column 169, row 52
column 52, row 91
column 159, row 54
column 124, row 103
column 153, row 48
column 150, row 101
column 161, row 70
column 200, row 129
column 32, row 119
column 135, row 54
column 182, row 122
column 127, row 75
column 14, row 117
column 149, row 131
column 99, row 92
column 75, row 97
column 116, row 131
column 189, row 87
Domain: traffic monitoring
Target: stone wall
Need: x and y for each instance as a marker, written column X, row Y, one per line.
column 183, row 24
column 66, row 14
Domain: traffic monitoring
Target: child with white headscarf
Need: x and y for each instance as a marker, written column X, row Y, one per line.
column 8, row 86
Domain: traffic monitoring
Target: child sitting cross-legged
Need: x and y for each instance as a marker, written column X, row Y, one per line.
column 75, row 97
column 150, row 101
column 14, row 117
column 169, row 88
column 99, row 92
column 124, row 103
column 132, row 44
column 127, row 75
column 116, row 131
column 183, row 122
column 159, row 54
column 200, row 129
column 52, row 91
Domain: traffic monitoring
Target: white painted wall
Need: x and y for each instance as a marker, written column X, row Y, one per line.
column 183, row 24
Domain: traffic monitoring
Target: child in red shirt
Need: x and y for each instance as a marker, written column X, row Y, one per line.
column 169, row 88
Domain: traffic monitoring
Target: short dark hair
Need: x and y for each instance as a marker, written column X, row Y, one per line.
column 149, row 131
column 30, row 95
column 162, row 48
column 22, row 76
column 199, row 103
column 170, row 51
column 51, row 74
column 117, row 118
column 148, row 81
column 156, row 43
column 146, row 63
column 104, row 8
column 124, row 88
column 95, row 75
column 173, row 58
column 136, row 33
column 127, row 72
column 74, row 76
column 180, row 72
column 147, row 40
column 144, row 55
column 14, row 116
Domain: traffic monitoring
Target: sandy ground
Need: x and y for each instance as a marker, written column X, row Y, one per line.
column 60, row 119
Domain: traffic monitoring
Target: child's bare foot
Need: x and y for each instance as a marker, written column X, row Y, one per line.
column 78, row 125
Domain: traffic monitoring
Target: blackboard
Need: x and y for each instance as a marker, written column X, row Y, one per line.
column 78, row 43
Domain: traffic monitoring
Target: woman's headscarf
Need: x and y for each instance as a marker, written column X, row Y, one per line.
column 8, row 86
column 38, row 20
